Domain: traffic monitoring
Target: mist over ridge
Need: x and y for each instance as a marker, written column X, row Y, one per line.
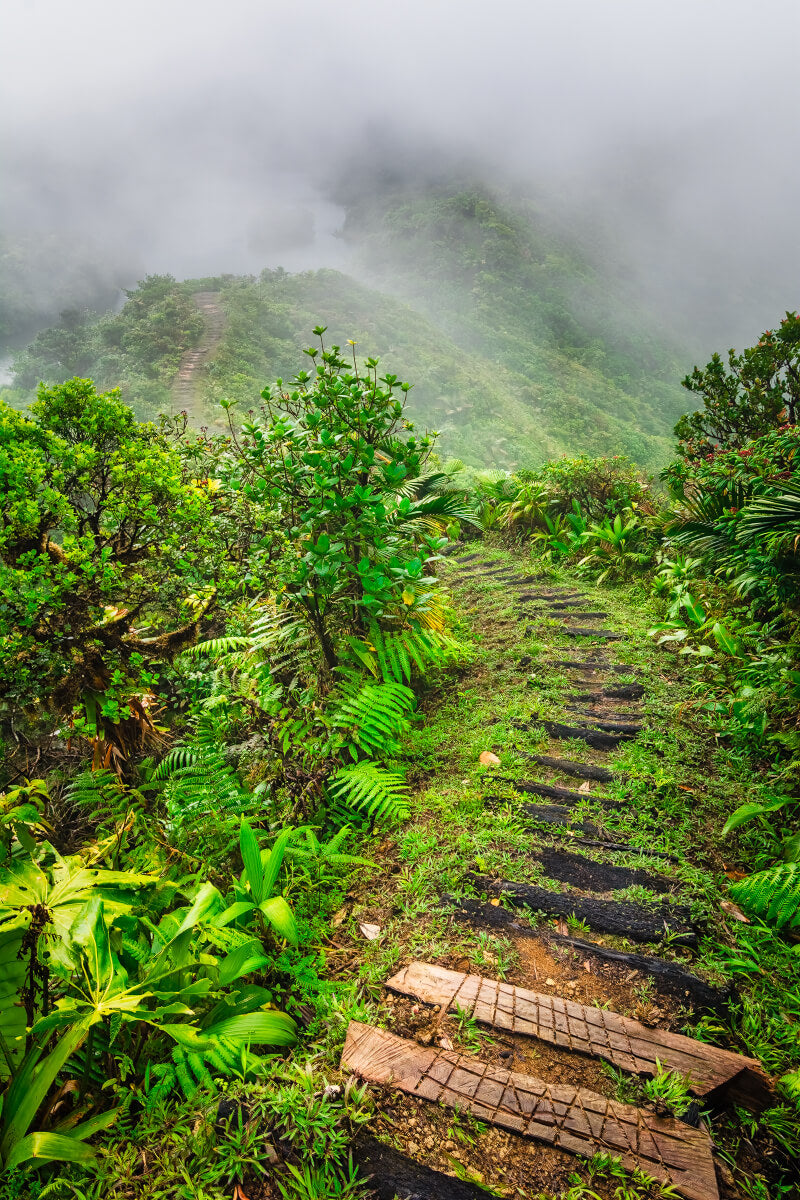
column 197, row 141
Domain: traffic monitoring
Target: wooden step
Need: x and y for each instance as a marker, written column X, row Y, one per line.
column 606, row 635
column 571, row 1118
column 578, row 616
column 627, row 1044
column 552, row 792
column 591, row 876
column 596, row 738
column 638, row 922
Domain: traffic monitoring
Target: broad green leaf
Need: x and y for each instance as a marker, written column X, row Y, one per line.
column 261, row 1028
column 278, row 913
column 251, row 857
column 49, row 1147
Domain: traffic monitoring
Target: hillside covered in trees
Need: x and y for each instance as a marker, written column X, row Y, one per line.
column 521, row 345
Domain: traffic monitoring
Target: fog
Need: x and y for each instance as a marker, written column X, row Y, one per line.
column 204, row 138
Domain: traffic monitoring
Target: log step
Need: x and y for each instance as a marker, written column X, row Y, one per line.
column 626, row 1043
column 629, row 727
column 606, row 635
column 596, row 738
column 591, row 876
column 639, row 922
column 668, row 977
column 567, row 767
column 630, row 691
column 557, row 814
column 573, row 1119
column 551, row 791
column 392, row 1174
column 579, row 616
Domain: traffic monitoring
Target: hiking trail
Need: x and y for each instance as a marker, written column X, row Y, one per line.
column 533, row 1077
column 187, row 388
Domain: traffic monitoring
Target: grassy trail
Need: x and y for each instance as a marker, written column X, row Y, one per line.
column 187, row 388
column 585, row 866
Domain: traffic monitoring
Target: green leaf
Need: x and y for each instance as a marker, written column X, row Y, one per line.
column 261, row 1028
column 278, row 913
column 251, row 857
column 49, row 1147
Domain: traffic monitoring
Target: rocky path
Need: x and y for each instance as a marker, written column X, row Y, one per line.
column 187, row 388
column 585, row 852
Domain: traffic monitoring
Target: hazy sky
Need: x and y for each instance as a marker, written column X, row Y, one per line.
column 199, row 137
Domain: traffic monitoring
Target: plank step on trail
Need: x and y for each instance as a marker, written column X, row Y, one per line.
column 580, row 1028
column 574, row 1119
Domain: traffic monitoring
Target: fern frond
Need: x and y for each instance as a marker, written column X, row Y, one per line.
column 371, row 789
column 176, row 760
column 374, row 716
column 773, row 894
column 217, row 647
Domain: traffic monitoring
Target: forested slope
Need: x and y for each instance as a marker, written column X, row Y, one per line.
column 520, row 347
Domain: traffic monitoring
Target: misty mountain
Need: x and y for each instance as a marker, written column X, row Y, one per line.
column 520, row 345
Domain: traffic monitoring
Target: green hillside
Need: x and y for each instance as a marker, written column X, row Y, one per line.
column 518, row 347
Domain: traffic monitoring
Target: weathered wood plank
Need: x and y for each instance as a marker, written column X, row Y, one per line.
column 636, row 921
column 553, row 792
column 620, row 1040
column 573, row 1119
column 606, row 635
column 392, row 1174
column 592, row 876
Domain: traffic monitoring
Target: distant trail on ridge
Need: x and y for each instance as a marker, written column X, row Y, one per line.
column 186, row 390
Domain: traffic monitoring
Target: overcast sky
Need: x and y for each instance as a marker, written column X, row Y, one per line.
column 198, row 136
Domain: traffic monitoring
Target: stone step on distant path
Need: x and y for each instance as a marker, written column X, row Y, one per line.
column 573, row 1119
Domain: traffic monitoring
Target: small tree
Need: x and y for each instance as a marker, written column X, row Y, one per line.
column 757, row 391
column 106, row 538
column 335, row 457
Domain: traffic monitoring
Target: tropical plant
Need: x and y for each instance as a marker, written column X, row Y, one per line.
column 757, row 390
column 618, row 546
column 337, row 459
column 773, row 894
column 371, row 789
column 254, row 893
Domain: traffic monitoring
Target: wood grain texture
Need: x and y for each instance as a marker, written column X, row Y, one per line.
column 573, row 1119
column 626, row 1043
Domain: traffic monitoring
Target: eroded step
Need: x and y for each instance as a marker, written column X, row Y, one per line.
column 601, row 722
column 393, row 1176
column 573, row 1119
column 583, row 1029
column 639, row 922
column 558, row 814
column 629, row 691
column 578, row 616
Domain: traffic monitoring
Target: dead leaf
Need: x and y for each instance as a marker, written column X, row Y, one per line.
column 488, row 759
column 445, row 1043
column 239, row 1193
column 585, row 786
column 494, row 903
column 370, row 932
column 587, row 966
column 338, row 917
column 735, row 911
column 561, row 927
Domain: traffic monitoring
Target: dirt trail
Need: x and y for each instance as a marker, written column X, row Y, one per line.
column 187, row 388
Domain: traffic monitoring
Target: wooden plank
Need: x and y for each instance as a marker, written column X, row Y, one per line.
column 392, row 1174
column 620, row 1040
column 553, row 792
column 573, row 1119
column 641, row 923
column 591, row 876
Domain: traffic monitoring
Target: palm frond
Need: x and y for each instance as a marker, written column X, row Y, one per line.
column 773, row 515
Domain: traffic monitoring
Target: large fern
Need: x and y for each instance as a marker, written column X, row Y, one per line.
column 773, row 894
column 372, row 718
column 395, row 656
column 371, row 789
